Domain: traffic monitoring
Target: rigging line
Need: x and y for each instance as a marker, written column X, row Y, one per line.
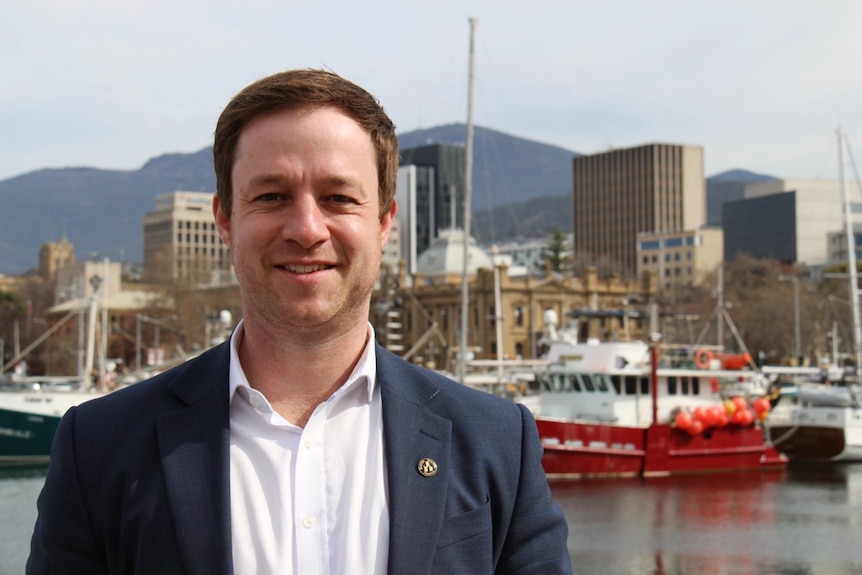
column 431, row 99
column 490, row 149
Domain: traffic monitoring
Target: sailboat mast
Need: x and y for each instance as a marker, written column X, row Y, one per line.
column 851, row 255
column 468, row 192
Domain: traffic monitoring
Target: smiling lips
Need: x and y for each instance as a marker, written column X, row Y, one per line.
column 306, row 269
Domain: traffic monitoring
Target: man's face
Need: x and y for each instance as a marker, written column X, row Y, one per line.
column 305, row 231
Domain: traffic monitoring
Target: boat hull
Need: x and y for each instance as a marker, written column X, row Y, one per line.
column 28, row 421
column 580, row 449
column 819, row 434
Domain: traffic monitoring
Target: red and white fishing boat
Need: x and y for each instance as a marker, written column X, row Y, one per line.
column 631, row 409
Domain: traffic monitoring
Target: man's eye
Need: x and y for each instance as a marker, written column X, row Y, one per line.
column 268, row 197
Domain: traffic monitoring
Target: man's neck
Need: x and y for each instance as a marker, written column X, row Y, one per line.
column 298, row 373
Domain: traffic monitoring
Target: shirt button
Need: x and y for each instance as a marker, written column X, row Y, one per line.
column 308, row 442
column 255, row 401
column 309, row 521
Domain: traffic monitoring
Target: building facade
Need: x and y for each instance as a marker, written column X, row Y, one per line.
column 436, row 200
column 427, row 316
column 792, row 221
column 621, row 193
column 55, row 255
column 181, row 242
column 680, row 259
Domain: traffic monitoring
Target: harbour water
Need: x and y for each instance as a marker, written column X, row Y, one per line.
column 805, row 521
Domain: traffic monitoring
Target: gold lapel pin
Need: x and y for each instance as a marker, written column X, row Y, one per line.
column 427, row 467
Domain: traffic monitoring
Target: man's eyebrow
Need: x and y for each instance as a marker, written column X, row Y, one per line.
column 263, row 179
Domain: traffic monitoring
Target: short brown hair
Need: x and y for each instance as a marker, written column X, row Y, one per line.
column 295, row 89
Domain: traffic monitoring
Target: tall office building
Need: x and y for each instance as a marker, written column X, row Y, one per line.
column 181, row 242
column 416, row 223
column 788, row 220
column 621, row 193
column 440, row 182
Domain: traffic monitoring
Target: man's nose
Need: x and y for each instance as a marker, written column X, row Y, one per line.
column 306, row 223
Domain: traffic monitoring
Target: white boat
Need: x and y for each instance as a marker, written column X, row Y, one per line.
column 823, row 422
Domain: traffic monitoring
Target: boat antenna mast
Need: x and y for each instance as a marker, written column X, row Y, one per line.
column 468, row 192
column 850, row 238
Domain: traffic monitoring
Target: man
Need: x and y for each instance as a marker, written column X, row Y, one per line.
column 300, row 446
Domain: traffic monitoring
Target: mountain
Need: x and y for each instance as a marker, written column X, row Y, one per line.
column 506, row 168
column 101, row 211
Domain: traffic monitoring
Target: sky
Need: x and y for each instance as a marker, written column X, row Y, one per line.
column 761, row 85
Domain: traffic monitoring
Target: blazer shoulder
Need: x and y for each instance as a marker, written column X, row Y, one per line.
column 433, row 390
column 187, row 383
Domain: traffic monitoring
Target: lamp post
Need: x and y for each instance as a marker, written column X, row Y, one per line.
column 797, row 337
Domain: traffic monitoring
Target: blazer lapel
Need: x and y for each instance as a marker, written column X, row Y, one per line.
column 416, row 500
column 194, row 443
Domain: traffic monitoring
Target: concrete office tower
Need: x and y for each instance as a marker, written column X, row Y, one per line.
column 788, row 220
column 181, row 242
column 621, row 193
column 440, row 185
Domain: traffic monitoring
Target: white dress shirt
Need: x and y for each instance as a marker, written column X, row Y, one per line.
column 309, row 501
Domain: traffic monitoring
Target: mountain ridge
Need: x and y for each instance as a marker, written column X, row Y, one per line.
column 520, row 188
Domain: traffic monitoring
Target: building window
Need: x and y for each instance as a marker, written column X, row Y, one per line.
column 519, row 316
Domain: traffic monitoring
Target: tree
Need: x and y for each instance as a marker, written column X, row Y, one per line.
column 556, row 254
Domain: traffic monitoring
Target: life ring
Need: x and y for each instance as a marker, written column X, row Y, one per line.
column 702, row 358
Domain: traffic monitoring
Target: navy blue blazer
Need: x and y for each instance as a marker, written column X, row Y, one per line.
column 138, row 480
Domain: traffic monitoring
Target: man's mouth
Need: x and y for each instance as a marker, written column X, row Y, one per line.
column 306, row 269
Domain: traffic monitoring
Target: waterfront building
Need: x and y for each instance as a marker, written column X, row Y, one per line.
column 418, row 316
column 680, row 259
column 620, row 193
column 181, row 242
column 790, row 221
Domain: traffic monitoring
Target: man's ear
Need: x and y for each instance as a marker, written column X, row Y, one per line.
column 386, row 223
column 222, row 221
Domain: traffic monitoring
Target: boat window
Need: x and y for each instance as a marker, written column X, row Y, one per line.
column 601, row 383
column 695, row 386
column 544, row 382
column 557, row 383
column 671, row 385
column 631, row 385
column 617, row 383
column 644, row 386
column 587, row 382
column 685, row 386
column 574, row 382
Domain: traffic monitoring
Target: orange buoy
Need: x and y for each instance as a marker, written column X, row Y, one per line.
column 702, row 357
column 736, row 361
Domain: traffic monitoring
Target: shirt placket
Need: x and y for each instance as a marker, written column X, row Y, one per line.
column 312, row 549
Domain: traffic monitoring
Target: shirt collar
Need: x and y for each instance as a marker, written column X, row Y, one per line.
column 365, row 371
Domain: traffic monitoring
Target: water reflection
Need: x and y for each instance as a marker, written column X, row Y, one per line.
column 22, row 471
column 803, row 520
